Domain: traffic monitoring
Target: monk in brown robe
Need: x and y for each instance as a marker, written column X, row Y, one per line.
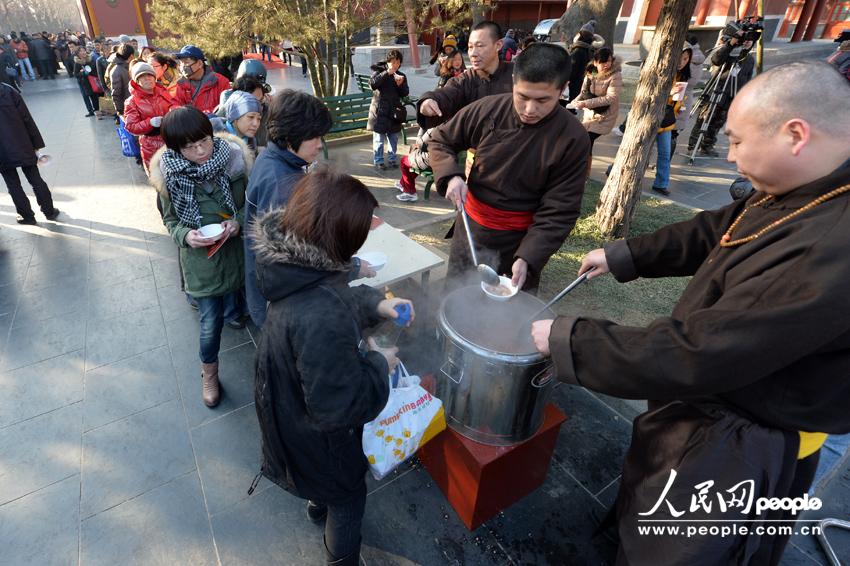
column 524, row 188
column 487, row 75
column 753, row 365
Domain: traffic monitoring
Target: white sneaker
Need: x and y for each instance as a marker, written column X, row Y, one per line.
column 407, row 197
column 617, row 132
column 398, row 186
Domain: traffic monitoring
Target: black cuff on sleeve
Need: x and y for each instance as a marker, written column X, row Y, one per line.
column 620, row 262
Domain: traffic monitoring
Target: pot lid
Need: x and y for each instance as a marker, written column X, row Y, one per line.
column 493, row 325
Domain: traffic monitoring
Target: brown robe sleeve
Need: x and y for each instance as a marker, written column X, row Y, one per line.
column 676, row 250
column 560, row 205
column 451, row 98
column 458, row 134
column 758, row 327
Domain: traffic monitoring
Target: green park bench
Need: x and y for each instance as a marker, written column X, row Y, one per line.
column 363, row 84
column 351, row 112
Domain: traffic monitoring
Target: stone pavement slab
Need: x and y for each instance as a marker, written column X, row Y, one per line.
column 43, row 527
column 166, row 525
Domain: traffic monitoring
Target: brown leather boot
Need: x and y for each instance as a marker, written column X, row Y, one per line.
column 209, row 375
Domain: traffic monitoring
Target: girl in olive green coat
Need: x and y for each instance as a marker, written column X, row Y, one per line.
column 201, row 181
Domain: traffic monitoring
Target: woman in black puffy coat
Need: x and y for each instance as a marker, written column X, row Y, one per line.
column 389, row 86
column 317, row 383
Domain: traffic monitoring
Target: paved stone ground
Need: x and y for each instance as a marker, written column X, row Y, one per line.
column 107, row 454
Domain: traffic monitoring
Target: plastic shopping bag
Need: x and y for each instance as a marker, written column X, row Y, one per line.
column 129, row 144
column 411, row 418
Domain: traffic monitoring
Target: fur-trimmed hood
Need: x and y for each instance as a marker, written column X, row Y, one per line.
column 241, row 159
column 286, row 264
column 616, row 67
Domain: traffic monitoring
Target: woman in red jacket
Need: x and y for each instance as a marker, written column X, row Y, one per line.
column 145, row 108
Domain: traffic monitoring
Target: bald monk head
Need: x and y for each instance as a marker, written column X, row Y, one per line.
column 790, row 126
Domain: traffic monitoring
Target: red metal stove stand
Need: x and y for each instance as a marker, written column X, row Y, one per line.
column 481, row 480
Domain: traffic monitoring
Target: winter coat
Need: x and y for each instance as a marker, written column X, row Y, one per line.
column 314, row 389
column 605, row 91
column 728, row 53
column 697, row 60
column 841, row 61
column 262, row 137
column 224, row 272
column 275, row 173
column 386, row 97
column 579, row 58
column 464, row 89
column 101, row 65
column 444, row 78
column 138, row 111
column 21, row 49
column 168, row 81
column 207, row 95
column 41, row 50
column 79, row 71
column 19, row 136
column 119, row 83
column 7, row 59
column 509, row 48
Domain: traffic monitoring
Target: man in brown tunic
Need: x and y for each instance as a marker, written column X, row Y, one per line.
column 754, row 361
column 527, row 177
column 486, row 76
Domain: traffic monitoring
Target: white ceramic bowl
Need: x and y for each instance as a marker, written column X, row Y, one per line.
column 504, row 282
column 376, row 259
column 211, row 231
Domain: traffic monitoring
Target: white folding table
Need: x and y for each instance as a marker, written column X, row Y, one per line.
column 405, row 258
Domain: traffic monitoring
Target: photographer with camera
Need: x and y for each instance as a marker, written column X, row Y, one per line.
column 731, row 57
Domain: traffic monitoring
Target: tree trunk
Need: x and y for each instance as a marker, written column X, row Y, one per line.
column 605, row 13
column 412, row 35
column 621, row 193
column 479, row 11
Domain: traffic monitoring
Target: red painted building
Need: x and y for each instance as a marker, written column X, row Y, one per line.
column 115, row 17
column 822, row 18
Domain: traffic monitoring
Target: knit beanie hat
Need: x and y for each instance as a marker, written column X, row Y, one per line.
column 139, row 69
column 240, row 103
column 590, row 26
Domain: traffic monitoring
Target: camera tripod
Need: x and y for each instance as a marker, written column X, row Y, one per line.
column 715, row 92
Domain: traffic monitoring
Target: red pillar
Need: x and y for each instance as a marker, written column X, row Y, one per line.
column 814, row 20
column 808, row 7
column 702, row 11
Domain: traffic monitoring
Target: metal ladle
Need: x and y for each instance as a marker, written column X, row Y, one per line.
column 488, row 276
column 579, row 280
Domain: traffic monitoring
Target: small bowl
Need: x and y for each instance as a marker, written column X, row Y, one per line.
column 377, row 260
column 505, row 283
column 211, row 231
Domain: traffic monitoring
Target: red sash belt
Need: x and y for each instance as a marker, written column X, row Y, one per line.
column 494, row 218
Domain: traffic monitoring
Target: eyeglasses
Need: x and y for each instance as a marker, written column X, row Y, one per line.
column 203, row 144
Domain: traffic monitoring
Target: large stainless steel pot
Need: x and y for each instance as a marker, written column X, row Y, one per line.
column 492, row 381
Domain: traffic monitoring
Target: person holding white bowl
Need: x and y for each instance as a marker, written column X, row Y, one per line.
column 201, row 179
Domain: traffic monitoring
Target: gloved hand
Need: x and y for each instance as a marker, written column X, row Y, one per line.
column 156, row 121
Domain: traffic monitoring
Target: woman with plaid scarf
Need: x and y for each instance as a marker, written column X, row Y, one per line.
column 201, row 179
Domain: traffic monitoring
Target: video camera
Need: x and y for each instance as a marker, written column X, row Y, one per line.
column 747, row 29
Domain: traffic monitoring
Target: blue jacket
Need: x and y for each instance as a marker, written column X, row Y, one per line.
column 273, row 177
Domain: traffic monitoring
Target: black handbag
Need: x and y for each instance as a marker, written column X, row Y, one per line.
column 669, row 117
column 400, row 114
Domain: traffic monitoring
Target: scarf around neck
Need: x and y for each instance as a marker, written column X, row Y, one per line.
column 183, row 176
